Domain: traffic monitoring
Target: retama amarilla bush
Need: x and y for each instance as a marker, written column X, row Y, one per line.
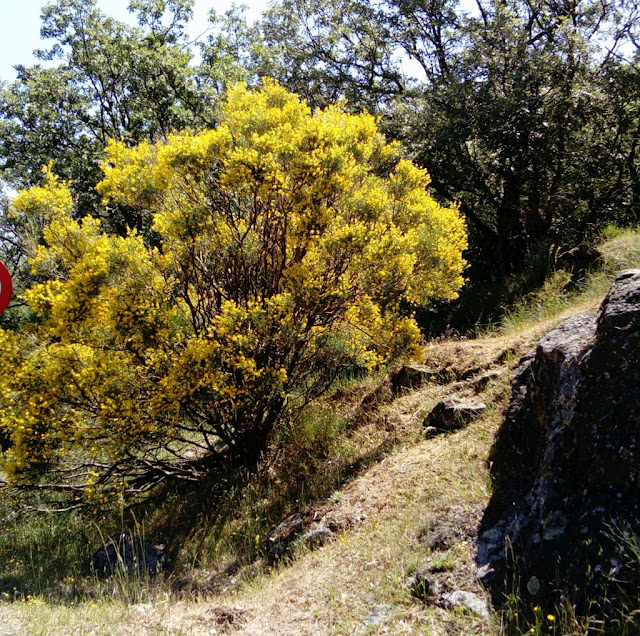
column 283, row 244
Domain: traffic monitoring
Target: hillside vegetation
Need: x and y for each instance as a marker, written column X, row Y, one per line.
column 400, row 504
column 222, row 252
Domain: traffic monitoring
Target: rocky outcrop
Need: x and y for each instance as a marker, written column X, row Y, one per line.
column 298, row 531
column 412, row 376
column 566, row 463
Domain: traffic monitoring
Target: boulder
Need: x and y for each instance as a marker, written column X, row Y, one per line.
column 411, row 376
column 125, row 553
column 452, row 414
column 566, row 464
column 578, row 261
column 465, row 600
column 432, row 589
column 295, row 532
column 315, row 538
column 480, row 383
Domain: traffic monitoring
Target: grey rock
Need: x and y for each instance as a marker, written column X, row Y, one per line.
column 413, row 376
column 125, row 553
column 281, row 538
column 425, row 585
column 465, row 600
column 619, row 310
column 484, row 571
column 480, row 383
column 452, row 414
column 316, row 537
column 566, row 458
column 296, row 531
column 379, row 613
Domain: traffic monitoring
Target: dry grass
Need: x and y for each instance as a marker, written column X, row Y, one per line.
column 387, row 510
column 544, row 308
column 416, row 489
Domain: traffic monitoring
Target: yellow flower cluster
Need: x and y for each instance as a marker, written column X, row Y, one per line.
column 287, row 241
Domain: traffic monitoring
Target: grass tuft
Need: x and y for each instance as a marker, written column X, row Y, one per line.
column 620, row 249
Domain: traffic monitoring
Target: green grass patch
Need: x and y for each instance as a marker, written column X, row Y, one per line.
column 620, row 249
column 45, row 556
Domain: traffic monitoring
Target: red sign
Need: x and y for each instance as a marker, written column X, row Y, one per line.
column 6, row 287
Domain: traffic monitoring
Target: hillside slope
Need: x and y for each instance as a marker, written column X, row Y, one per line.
column 405, row 523
column 416, row 510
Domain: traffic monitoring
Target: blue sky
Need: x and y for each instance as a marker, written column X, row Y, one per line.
column 20, row 26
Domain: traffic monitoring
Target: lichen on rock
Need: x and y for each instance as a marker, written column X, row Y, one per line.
column 565, row 462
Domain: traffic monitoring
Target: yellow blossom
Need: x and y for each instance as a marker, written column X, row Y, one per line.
column 287, row 245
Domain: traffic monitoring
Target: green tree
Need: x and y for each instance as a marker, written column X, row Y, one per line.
column 113, row 81
column 229, row 53
column 324, row 51
column 518, row 125
column 523, row 111
column 288, row 242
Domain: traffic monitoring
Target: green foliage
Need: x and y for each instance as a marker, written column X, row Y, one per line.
column 543, row 304
column 311, row 456
column 113, row 81
column 524, row 112
column 229, row 53
column 42, row 556
column 614, row 231
column 521, row 125
column 46, row 558
column 332, row 50
column 443, row 562
column 287, row 242
column 620, row 249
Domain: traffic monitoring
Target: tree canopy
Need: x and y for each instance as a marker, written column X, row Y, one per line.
column 112, row 81
column 287, row 241
column 97, row 79
column 524, row 112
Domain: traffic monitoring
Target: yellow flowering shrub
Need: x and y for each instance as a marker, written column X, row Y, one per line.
column 284, row 242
